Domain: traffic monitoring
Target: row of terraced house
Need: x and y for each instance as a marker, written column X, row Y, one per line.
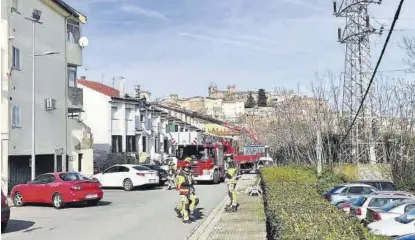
column 77, row 123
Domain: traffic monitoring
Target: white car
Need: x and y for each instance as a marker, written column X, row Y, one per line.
column 395, row 227
column 390, row 210
column 359, row 208
column 127, row 176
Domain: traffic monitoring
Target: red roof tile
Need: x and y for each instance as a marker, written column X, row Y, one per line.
column 99, row 87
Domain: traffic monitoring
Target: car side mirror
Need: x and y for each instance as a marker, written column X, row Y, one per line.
column 29, row 182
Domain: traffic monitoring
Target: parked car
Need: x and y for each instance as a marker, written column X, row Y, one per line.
column 57, row 189
column 345, row 207
column 344, row 192
column 161, row 172
column 390, row 210
column 5, row 211
column 127, row 176
column 406, row 237
column 381, row 185
column 359, row 207
column 395, row 193
column 396, row 227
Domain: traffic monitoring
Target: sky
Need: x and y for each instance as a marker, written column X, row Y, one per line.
column 182, row 46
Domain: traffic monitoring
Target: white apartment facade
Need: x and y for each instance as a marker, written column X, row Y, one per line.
column 57, row 55
column 122, row 124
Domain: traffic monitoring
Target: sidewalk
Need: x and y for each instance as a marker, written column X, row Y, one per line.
column 248, row 223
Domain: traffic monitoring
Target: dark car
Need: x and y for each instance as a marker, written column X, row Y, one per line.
column 5, row 211
column 381, row 185
column 162, row 173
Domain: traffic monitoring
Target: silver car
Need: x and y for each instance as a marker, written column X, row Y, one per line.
column 390, row 210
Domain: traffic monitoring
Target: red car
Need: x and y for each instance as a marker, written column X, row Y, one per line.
column 58, row 188
column 5, row 211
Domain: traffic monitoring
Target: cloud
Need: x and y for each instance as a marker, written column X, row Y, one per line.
column 224, row 41
column 132, row 9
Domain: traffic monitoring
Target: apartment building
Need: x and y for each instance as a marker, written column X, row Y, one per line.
column 40, row 41
column 122, row 124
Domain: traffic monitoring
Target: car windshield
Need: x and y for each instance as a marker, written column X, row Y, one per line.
column 72, row 177
column 333, row 190
column 360, row 201
column 389, row 206
column 407, row 217
column 141, row 168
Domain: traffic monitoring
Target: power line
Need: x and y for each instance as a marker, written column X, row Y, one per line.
column 395, row 19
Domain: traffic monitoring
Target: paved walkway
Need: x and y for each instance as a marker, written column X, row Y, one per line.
column 246, row 224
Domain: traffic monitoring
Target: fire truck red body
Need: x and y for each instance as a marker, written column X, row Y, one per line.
column 207, row 164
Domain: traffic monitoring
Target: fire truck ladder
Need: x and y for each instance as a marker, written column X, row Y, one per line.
column 243, row 130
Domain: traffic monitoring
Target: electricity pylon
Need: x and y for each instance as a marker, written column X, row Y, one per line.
column 360, row 145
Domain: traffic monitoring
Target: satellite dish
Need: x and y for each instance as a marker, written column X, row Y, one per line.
column 83, row 42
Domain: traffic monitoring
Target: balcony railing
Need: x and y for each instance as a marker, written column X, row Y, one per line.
column 74, row 54
column 75, row 98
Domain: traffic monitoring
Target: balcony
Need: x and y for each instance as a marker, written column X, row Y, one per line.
column 75, row 98
column 73, row 54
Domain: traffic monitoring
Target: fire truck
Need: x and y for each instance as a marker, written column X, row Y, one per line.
column 206, row 152
column 220, row 146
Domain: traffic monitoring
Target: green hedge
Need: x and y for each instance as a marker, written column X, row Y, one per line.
column 295, row 210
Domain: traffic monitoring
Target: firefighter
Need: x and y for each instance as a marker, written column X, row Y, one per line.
column 194, row 200
column 183, row 186
column 188, row 159
column 172, row 172
column 231, row 174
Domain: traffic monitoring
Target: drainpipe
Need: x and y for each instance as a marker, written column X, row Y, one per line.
column 63, row 158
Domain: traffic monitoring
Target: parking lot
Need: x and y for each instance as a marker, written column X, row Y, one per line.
column 140, row 214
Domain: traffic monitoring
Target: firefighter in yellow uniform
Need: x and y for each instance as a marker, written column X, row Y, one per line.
column 183, row 186
column 231, row 174
column 172, row 175
column 188, row 159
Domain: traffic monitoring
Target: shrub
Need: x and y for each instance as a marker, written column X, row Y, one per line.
column 295, row 210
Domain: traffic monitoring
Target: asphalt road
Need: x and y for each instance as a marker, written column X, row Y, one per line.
column 140, row 214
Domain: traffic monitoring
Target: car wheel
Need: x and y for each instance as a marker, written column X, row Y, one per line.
column 216, row 177
column 18, row 199
column 127, row 185
column 57, row 201
column 92, row 202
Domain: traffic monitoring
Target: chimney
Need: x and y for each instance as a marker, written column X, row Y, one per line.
column 83, row 77
column 122, row 87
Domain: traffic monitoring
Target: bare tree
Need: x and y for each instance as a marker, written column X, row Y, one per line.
column 409, row 46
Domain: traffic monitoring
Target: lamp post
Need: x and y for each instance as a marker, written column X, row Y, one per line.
column 35, row 19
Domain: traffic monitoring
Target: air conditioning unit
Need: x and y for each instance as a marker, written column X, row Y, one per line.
column 50, row 104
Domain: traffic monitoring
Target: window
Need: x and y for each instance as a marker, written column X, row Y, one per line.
column 387, row 186
column 409, row 207
column 129, row 114
column 80, row 155
column 72, row 76
column 176, row 128
column 141, row 168
column 123, row 169
column 16, row 58
column 72, row 176
column 113, row 169
column 44, row 179
column 73, row 32
column 142, row 118
column 131, row 144
column 114, row 111
column 116, row 143
column 144, row 143
column 16, row 117
column 379, row 202
column 356, row 190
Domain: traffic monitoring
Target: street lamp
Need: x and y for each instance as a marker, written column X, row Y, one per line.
column 35, row 19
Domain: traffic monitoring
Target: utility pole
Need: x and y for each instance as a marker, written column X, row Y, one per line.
column 360, row 144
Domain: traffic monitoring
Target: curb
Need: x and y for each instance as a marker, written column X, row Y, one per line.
column 203, row 230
